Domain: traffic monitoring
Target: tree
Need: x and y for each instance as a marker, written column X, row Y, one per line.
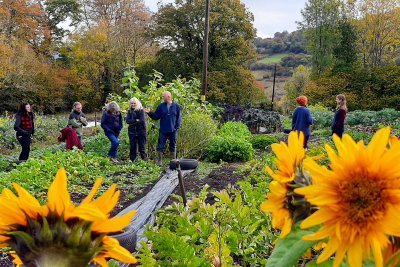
column 179, row 29
column 25, row 20
column 320, row 23
column 126, row 21
column 346, row 52
column 61, row 11
column 379, row 27
column 295, row 86
column 92, row 58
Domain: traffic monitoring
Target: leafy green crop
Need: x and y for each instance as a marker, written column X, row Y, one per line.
column 83, row 168
column 263, row 141
column 231, row 231
column 230, row 149
column 235, row 129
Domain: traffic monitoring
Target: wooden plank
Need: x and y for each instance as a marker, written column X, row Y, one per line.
column 154, row 200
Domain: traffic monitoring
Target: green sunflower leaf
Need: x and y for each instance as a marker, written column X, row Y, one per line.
column 288, row 251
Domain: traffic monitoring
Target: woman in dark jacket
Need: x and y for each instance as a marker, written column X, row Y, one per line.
column 136, row 120
column 340, row 116
column 77, row 119
column 25, row 127
column 111, row 122
column 302, row 119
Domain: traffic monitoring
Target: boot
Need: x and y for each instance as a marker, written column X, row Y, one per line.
column 172, row 154
column 159, row 158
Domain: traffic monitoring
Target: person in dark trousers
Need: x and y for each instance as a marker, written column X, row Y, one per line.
column 340, row 116
column 136, row 119
column 111, row 122
column 25, row 128
column 302, row 119
column 77, row 119
column 170, row 116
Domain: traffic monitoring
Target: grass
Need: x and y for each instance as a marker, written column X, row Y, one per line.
column 273, row 59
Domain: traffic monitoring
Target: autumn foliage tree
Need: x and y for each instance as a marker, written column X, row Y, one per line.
column 27, row 73
column 363, row 52
column 179, row 29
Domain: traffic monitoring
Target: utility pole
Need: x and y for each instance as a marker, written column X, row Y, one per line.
column 273, row 90
column 205, row 51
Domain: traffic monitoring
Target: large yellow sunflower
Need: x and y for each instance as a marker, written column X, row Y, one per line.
column 358, row 199
column 59, row 229
column 289, row 159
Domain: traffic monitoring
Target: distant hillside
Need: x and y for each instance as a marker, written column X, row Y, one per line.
column 282, row 42
column 287, row 51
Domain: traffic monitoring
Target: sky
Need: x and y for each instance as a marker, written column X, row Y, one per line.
column 270, row 16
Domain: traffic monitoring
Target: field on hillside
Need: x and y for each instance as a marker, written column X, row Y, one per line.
column 265, row 77
column 276, row 58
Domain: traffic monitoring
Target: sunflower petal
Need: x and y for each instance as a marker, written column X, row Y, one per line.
column 93, row 191
column 59, row 199
column 113, row 225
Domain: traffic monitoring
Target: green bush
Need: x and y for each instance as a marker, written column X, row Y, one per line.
column 235, row 129
column 230, row 149
column 196, row 134
column 263, row 141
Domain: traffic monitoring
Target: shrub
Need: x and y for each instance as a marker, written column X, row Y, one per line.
column 230, row 149
column 263, row 141
column 235, row 129
column 318, row 107
column 196, row 134
column 257, row 117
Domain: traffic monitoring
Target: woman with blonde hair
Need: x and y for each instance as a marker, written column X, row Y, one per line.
column 136, row 120
column 111, row 122
column 340, row 116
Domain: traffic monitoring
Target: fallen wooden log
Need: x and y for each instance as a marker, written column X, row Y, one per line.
column 146, row 206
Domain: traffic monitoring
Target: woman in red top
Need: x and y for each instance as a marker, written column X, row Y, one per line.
column 25, row 128
column 340, row 116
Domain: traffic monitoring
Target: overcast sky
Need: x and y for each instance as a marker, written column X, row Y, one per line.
column 270, row 16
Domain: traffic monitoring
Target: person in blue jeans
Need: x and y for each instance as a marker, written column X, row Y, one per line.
column 302, row 119
column 111, row 122
column 170, row 116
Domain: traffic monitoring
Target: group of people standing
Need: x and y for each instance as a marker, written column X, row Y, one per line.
column 302, row 119
column 170, row 116
column 169, row 113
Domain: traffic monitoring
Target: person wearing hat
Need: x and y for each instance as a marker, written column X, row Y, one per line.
column 302, row 119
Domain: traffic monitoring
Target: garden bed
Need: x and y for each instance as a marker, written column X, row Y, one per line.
column 218, row 179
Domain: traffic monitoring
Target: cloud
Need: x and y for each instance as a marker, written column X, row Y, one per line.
column 270, row 16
